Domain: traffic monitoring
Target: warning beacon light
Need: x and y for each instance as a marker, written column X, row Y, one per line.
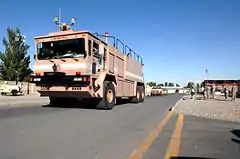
column 106, row 37
column 72, row 22
column 56, row 20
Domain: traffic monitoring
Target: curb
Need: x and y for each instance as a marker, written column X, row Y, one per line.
column 171, row 109
column 18, row 104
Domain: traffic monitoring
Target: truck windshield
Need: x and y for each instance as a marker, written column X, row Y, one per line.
column 61, row 49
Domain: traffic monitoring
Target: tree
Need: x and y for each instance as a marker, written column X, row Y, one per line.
column 10, row 62
column 170, row 84
column 177, row 85
column 190, row 85
column 152, row 84
column 166, row 84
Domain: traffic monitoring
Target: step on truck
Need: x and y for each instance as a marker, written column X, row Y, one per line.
column 73, row 64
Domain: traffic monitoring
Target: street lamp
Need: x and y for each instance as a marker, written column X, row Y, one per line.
column 18, row 39
column 206, row 71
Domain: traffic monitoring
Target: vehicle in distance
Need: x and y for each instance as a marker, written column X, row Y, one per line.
column 157, row 91
column 73, row 64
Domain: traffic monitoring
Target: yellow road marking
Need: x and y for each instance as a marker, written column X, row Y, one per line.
column 145, row 144
column 174, row 145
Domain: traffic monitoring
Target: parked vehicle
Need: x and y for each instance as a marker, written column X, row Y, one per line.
column 10, row 87
column 157, row 91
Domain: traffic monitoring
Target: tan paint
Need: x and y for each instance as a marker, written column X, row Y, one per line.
column 126, row 70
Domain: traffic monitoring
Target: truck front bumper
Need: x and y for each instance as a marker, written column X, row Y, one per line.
column 54, row 79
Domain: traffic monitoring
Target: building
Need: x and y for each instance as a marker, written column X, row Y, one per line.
column 220, row 84
column 171, row 90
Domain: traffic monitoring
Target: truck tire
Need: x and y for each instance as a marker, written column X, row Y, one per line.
column 109, row 96
column 136, row 99
column 142, row 94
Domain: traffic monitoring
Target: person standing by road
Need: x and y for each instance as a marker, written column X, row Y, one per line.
column 212, row 91
column 225, row 91
column 208, row 91
column 203, row 92
column 192, row 92
column 234, row 91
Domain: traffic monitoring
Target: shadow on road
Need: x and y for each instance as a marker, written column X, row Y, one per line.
column 82, row 104
column 237, row 134
column 183, row 157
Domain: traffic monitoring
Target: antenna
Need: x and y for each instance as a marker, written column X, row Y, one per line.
column 60, row 16
column 63, row 26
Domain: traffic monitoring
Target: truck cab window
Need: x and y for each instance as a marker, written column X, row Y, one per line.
column 70, row 48
column 95, row 48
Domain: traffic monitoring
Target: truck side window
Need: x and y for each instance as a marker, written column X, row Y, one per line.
column 95, row 48
column 104, row 58
column 89, row 47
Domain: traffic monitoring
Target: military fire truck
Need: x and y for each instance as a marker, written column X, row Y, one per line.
column 73, row 64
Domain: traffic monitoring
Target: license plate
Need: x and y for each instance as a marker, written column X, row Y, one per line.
column 44, row 88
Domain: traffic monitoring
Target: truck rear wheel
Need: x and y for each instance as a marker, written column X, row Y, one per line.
column 142, row 94
column 136, row 99
column 109, row 96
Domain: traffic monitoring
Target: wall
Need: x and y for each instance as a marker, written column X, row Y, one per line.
column 29, row 86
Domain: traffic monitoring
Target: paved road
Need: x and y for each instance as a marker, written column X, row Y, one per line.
column 62, row 133
column 191, row 137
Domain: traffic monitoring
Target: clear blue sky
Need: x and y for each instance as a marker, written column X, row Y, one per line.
column 177, row 39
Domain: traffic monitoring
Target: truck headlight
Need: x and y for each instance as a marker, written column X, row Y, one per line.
column 77, row 79
column 37, row 79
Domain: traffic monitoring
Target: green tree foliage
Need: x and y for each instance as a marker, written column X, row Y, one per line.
column 152, row 84
column 9, row 61
column 166, row 84
column 177, row 85
column 170, row 84
column 190, row 85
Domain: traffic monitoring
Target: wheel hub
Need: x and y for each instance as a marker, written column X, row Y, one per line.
column 110, row 96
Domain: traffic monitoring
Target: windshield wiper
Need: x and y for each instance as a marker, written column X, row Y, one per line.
column 72, row 55
column 55, row 57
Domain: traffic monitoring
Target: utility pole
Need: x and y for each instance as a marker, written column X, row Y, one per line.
column 206, row 85
column 206, row 71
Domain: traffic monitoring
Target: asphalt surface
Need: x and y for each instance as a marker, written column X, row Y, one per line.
column 64, row 133
column 200, row 138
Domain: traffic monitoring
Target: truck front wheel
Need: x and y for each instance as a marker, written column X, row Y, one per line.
column 109, row 96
